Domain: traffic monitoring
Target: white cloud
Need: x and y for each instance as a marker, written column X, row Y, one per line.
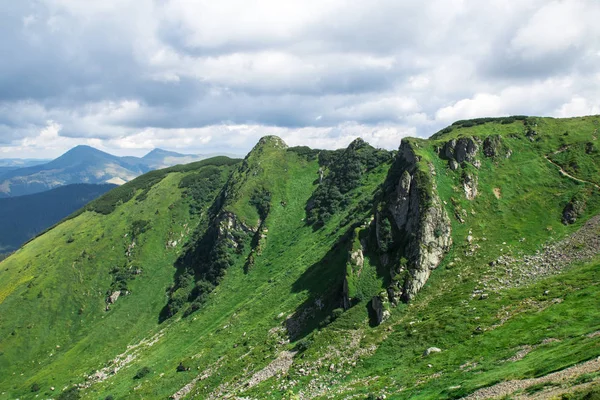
column 481, row 105
column 199, row 75
column 578, row 106
column 557, row 26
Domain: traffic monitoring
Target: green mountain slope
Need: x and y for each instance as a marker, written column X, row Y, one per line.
column 459, row 265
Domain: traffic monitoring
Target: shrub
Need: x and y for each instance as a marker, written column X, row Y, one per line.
column 335, row 314
column 325, row 322
column 303, row 344
column 182, row 368
column 138, row 227
column 261, row 199
column 142, row 372
column 70, row 394
column 35, row 387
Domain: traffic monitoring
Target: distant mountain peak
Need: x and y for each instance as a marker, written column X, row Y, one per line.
column 85, row 150
column 158, row 152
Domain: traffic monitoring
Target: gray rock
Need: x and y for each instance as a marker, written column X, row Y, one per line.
column 448, row 150
column 421, row 218
column 431, row 350
column 453, row 165
column 463, row 150
column 491, row 146
column 112, row 299
column 377, row 309
column 470, row 185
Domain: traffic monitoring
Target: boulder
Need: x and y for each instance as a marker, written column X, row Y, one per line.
column 376, row 306
column 431, row 350
column 112, row 299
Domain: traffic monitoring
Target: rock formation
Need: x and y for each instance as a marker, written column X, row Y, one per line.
column 422, row 227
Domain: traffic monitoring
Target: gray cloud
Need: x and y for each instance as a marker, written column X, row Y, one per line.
column 127, row 75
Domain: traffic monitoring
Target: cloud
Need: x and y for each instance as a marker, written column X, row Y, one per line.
column 129, row 75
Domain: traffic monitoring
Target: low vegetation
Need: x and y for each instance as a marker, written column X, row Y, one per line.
column 233, row 274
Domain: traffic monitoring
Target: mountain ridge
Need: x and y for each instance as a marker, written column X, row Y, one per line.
column 434, row 271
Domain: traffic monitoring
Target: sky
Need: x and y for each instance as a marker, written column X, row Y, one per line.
column 205, row 76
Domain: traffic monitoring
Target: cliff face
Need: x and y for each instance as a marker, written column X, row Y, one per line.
column 420, row 231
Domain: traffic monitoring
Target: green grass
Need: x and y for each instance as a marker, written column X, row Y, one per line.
column 54, row 329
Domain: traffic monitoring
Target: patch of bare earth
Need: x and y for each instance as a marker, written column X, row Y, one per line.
column 279, row 366
column 207, row 373
column 120, row 361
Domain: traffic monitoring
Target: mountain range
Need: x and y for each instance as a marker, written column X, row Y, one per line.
column 10, row 164
column 85, row 164
column 466, row 265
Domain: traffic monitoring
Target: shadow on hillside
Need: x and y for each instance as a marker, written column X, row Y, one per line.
column 323, row 280
column 165, row 312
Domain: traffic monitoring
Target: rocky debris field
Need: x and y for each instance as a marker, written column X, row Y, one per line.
column 508, row 271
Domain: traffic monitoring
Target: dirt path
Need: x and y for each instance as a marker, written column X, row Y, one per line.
column 565, row 173
column 506, row 388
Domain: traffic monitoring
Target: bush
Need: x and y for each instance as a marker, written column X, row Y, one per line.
column 70, row 394
column 325, row 322
column 142, row 372
column 303, row 344
column 182, row 368
column 138, row 227
column 261, row 199
column 35, row 387
column 335, row 314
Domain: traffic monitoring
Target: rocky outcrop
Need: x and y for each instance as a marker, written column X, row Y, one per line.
column 422, row 227
column 461, row 150
column 493, row 146
column 229, row 225
column 378, row 307
column 458, row 151
column 574, row 209
column 354, row 266
column 112, row 299
column 469, row 182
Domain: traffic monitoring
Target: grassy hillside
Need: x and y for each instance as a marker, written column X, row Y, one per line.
column 274, row 263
